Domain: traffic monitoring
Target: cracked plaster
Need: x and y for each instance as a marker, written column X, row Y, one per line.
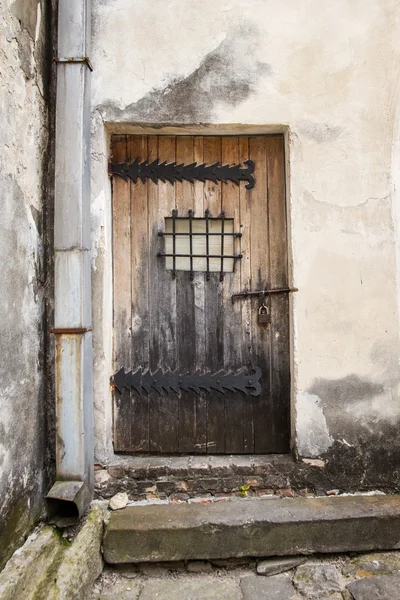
column 23, row 140
column 331, row 85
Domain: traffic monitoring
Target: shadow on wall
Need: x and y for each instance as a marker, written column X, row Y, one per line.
column 364, row 422
column 227, row 75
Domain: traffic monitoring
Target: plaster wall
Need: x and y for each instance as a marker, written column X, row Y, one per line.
column 327, row 74
column 23, row 144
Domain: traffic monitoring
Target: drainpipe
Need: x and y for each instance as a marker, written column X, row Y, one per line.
column 73, row 490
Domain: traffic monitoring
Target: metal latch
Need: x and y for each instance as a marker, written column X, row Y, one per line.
column 265, row 292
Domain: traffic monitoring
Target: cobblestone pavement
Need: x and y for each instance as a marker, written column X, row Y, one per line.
column 373, row 576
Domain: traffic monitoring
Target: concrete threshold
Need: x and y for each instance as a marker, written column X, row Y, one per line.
column 252, row 527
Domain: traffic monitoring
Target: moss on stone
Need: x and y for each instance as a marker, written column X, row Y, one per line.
column 369, row 565
column 63, row 540
column 49, row 566
column 11, row 531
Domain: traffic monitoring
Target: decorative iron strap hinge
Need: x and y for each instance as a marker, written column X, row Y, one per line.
column 165, row 381
column 164, row 171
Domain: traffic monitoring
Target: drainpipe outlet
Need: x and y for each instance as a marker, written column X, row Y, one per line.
column 67, row 499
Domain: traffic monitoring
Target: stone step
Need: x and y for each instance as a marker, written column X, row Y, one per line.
column 252, row 527
column 182, row 477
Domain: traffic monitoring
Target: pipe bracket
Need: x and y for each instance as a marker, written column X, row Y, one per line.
column 74, row 60
column 69, row 330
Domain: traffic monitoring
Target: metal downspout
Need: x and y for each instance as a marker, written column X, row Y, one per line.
column 73, row 490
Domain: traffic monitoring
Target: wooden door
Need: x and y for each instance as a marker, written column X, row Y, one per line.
column 174, row 332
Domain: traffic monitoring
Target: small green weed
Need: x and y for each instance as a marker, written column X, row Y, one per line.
column 243, row 490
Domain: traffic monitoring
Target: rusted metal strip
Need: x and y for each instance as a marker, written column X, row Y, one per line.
column 265, row 292
column 74, row 60
column 69, row 330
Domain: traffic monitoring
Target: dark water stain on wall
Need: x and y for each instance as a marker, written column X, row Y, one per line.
column 229, row 74
column 336, row 394
column 366, row 453
column 373, row 462
column 319, row 132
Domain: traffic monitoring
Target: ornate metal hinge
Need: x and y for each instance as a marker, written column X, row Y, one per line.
column 172, row 171
column 165, row 381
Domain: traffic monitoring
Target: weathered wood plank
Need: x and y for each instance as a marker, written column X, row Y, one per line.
column 156, row 439
column 163, row 409
column 185, row 309
column 246, row 306
column 234, row 402
column 137, row 148
column 280, row 358
column 122, row 297
column 277, row 227
column 259, row 280
column 164, row 309
column 200, row 445
column 214, row 314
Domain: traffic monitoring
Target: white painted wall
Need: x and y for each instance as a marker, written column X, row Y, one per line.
column 327, row 73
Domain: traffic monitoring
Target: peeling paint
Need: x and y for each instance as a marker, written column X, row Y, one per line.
column 38, row 21
column 353, row 405
column 226, row 75
column 26, row 11
column 313, row 438
column 97, row 218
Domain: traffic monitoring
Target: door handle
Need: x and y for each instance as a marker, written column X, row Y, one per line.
column 265, row 292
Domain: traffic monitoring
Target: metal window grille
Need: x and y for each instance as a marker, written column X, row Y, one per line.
column 199, row 244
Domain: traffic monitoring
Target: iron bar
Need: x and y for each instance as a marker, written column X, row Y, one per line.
column 69, row 330
column 221, row 275
column 168, row 255
column 191, row 243
column 207, row 215
column 265, row 292
column 165, row 233
column 174, row 216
